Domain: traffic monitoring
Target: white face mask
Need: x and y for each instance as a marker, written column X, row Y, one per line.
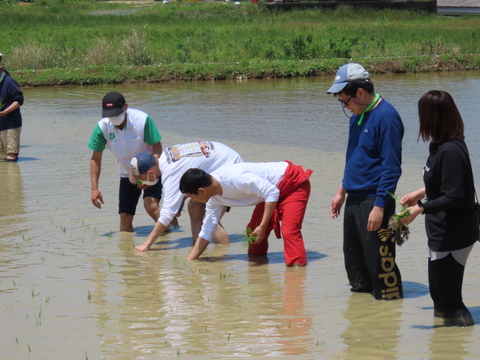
column 117, row 120
column 147, row 182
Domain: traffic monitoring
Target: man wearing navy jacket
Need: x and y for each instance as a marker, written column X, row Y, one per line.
column 11, row 98
column 372, row 170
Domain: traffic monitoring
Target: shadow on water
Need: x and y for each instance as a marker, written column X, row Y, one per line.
column 22, row 159
column 412, row 289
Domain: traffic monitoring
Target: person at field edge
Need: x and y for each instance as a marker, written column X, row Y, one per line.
column 450, row 221
column 11, row 99
column 280, row 191
column 174, row 161
column 125, row 132
column 372, row 170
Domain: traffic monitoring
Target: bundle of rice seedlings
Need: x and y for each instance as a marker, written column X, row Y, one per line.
column 248, row 238
column 396, row 226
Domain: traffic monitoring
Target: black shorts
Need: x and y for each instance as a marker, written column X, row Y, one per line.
column 130, row 193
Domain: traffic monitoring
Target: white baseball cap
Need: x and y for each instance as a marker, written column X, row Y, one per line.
column 345, row 74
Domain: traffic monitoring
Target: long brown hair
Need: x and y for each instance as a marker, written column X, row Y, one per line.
column 439, row 117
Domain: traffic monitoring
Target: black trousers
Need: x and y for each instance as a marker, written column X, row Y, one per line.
column 445, row 278
column 370, row 255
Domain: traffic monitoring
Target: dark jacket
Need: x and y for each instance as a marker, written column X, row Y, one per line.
column 9, row 93
column 449, row 221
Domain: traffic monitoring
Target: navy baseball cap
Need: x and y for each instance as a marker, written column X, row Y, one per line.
column 347, row 73
column 140, row 165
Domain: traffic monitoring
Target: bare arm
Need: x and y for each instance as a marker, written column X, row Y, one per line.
column 157, row 149
column 337, row 202
column 158, row 229
column 259, row 231
column 198, row 249
column 95, row 169
column 415, row 210
column 375, row 218
column 412, row 198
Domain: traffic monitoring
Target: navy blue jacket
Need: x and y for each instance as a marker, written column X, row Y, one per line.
column 374, row 154
column 9, row 93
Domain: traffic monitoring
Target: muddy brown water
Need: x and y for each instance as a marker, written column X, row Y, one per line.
column 72, row 287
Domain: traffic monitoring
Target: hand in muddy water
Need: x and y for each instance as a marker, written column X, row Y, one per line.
column 142, row 248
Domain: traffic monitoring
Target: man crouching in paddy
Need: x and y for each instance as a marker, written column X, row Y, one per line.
column 280, row 191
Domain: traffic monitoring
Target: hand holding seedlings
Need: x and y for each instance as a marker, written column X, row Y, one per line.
column 397, row 224
column 248, row 238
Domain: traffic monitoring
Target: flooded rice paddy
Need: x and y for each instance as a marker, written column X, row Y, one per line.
column 72, row 286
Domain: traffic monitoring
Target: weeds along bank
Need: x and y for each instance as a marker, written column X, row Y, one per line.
column 88, row 42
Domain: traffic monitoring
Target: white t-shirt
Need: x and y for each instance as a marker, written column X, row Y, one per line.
column 244, row 184
column 175, row 160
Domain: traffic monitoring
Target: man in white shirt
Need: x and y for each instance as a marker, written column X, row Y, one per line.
column 171, row 165
column 280, row 191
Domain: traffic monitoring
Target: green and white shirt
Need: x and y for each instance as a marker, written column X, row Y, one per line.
column 138, row 135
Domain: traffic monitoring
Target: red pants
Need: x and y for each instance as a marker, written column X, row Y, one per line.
column 290, row 211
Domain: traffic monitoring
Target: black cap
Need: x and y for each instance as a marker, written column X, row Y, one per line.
column 112, row 104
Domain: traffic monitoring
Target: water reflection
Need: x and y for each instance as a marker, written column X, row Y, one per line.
column 297, row 335
column 449, row 342
column 166, row 306
column 373, row 327
column 11, row 194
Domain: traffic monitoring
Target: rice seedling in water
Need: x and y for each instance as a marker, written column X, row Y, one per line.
column 89, row 296
column 38, row 318
column 248, row 238
column 385, row 347
column 396, row 226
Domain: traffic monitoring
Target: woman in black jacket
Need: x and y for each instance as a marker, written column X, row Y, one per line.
column 449, row 191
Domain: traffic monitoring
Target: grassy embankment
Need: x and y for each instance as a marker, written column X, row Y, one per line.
column 88, row 42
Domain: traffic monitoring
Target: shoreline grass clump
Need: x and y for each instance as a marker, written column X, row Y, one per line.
column 396, row 225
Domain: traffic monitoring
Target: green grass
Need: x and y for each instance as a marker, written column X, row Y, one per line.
column 84, row 42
